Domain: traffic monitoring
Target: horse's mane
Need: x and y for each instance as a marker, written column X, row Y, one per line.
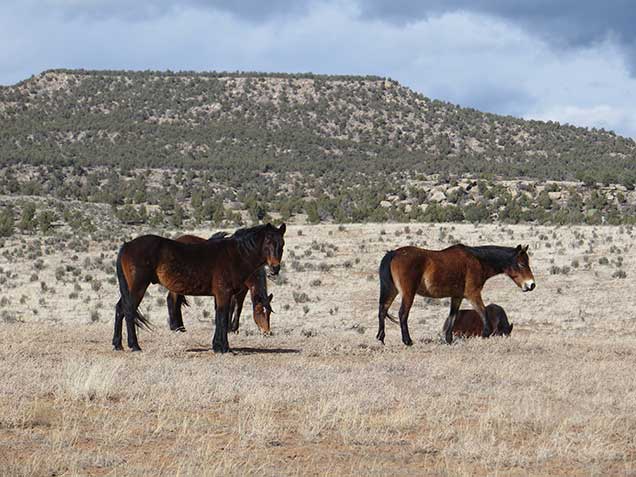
column 494, row 255
column 245, row 237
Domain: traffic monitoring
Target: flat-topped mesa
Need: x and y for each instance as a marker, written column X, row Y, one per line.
column 299, row 122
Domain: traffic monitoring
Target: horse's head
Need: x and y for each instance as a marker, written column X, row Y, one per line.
column 501, row 325
column 519, row 270
column 262, row 312
column 503, row 329
column 273, row 246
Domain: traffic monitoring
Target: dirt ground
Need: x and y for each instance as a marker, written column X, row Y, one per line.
column 321, row 396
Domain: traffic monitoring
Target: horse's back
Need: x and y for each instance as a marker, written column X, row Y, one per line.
column 407, row 265
column 467, row 323
column 148, row 249
column 190, row 239
column 434, row 273
column 139, row 248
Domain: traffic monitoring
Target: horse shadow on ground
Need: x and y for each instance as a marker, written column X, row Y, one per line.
column 247, row 350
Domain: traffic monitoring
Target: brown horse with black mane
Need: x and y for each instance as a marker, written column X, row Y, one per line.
column 255, row 283
column 457, row 272
column 216, row 268
column 468, row 323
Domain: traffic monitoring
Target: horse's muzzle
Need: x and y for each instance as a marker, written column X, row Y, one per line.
column 274, row 270
column 528, row 286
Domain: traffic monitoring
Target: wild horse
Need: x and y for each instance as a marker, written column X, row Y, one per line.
column 255, row 283
column 468, row 323
column 216, row 268
column 457, row 272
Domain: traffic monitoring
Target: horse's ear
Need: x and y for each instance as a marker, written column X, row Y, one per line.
column 282, row 229
column 518, row 249
column 525, row 249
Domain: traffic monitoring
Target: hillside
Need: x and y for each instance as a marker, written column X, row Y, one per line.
column 186, row 149
column 285, row 123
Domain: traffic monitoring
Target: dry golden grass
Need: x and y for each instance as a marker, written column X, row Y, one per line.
column 321, row 396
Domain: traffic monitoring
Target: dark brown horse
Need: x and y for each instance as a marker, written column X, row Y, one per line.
column 468, row 322
column 216, row 268
column 256, row 284
column 457, row 272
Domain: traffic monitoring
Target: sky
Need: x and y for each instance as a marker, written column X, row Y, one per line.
column 563, row 60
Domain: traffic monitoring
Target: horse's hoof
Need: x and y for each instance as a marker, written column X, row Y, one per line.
column 408, row 342
column 380, row 337
column 118, row 348
column 135, row 348
column 223, row 349
column 181, row 329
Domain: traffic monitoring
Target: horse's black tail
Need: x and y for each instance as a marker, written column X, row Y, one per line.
column 127, row 302
column 387, row 285
column 387, row 292
column 181, row 300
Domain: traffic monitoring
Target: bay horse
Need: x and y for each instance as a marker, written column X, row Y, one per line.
column 468, row 323
column 255, row 283
column 216, row 268
column 456, row 272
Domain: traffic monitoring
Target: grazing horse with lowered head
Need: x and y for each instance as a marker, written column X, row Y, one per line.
column 216, row 268
column 255, row 283
column 468, row 323
column 456, row 272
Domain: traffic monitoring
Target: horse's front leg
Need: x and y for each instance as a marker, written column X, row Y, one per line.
column 450, row 321
column 478, row 305
column 221, row 320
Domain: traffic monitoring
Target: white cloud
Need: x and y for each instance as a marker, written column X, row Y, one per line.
column 601, row 116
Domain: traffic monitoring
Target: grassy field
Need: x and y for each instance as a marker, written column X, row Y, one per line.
column 322, row 396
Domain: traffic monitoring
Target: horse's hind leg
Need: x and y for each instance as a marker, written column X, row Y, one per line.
column 405, row 308
column 386, row 299
column 175, row 318
column 119, row 320
column 450, row 321
column 137, row 294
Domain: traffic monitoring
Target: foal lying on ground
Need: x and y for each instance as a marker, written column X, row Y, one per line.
column 468, row 322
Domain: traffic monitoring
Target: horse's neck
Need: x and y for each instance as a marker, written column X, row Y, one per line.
column 257, row 283
column 490, row 271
